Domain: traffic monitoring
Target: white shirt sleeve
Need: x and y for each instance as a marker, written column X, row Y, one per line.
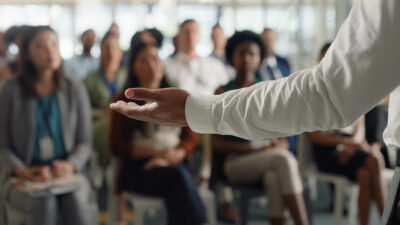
column 392, row 132
column 359, row 70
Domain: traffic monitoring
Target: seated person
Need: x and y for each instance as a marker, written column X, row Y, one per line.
column 102, row 86
column 346, row 152
column 151, row 155
column 45, row 131
column 269, row 163
column 354, row 152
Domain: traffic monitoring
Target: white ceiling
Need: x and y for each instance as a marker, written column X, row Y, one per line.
column 216, row 2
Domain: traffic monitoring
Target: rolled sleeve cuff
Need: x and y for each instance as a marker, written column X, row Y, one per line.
column 198, row 110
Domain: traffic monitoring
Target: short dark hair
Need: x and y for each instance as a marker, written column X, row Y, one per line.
column 268, row 29
column 157, row 35
column 239, row 38
column 187, row 22
column 86, row 32
column 217, row 25
column 15, row 32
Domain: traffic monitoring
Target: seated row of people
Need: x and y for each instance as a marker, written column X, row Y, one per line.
column 58, row 140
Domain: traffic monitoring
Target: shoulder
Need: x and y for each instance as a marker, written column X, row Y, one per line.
column 92, row 77
column 11, row 87
column 74, row 87
column 282, row 59
column 212, row 60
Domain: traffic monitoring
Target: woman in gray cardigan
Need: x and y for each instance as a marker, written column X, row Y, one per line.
column 45, row 133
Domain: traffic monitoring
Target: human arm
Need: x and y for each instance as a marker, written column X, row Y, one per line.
column 358, row 71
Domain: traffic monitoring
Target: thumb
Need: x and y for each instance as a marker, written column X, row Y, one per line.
column 141, row 94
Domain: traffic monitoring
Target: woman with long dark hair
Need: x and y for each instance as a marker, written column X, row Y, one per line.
column 151, row 155
column 45, row 133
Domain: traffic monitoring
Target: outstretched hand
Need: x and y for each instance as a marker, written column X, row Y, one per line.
column 164, row 106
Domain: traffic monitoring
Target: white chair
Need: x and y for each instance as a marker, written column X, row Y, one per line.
column 144, row 206
column 342, row 185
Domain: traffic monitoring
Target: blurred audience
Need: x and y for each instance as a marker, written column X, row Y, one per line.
column 103, row 85
column 346, row 152
column 114, row 29
column 14, row 36
column 45, row 131
column 274, row 67
column 3, row 55
column 219, row 43
column 269, row 163
column 188, row 70
column 108, row 80
column 355, row 153
column 151, row 36
column 3, row 50
column 151, row 156
column 80, row 66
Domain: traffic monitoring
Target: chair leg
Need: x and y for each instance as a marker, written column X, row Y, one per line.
column 244, row 200
column 339, row 189
column 353, row 205
column 111, row 207
column 209, row 203
column 139, row 216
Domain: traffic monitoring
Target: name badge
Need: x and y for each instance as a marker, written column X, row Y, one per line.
column 46, row 148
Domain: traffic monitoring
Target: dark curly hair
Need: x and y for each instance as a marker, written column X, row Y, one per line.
column 238, row 38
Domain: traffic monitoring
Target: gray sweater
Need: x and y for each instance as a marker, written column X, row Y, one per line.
column 17, row 126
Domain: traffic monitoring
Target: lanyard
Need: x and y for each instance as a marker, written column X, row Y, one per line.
column 46, row 113
column 113, row 87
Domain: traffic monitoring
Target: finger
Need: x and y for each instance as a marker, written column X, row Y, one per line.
column 142, row 94
column 133, row 110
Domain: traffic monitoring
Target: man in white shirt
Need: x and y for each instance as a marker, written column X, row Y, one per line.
column 189, row 71
column 359, row 70
column 82, row 65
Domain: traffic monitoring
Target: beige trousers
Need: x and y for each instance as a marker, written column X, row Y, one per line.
column 278, row 171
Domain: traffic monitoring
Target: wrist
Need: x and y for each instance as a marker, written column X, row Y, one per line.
column 20, row 171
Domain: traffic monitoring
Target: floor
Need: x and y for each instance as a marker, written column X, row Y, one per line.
column 322, row 215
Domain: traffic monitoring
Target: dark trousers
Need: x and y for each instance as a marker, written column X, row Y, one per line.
column 174, row 185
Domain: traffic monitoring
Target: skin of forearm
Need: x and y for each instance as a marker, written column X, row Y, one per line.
column 144, row 153
column 320, row 138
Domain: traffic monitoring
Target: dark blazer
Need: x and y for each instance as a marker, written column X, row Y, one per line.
column 283, row 66
column 17, row 125
column 265, row 71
